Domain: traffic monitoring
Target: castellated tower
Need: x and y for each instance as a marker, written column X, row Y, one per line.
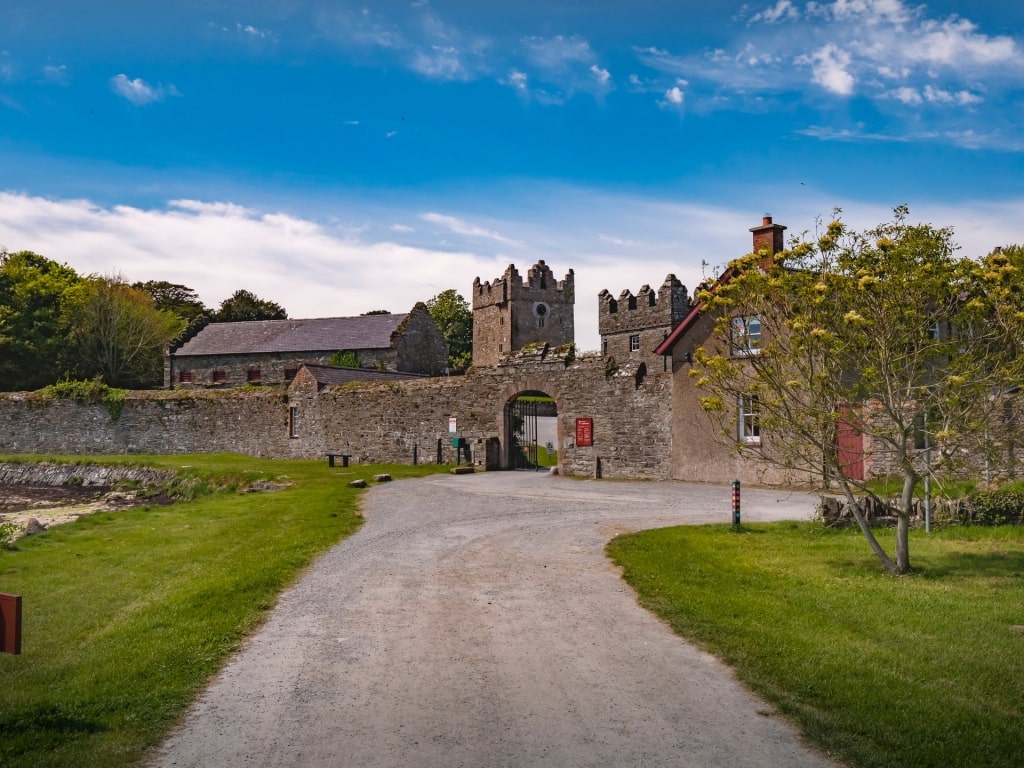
column 509, row 313
column 631, row 327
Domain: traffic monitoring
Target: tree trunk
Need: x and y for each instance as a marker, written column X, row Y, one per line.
column 910, row 480
column 858, row 515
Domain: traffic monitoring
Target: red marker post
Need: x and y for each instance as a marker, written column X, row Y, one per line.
column 10, row 623
column 735, row 503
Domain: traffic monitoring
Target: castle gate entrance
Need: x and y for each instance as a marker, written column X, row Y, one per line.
column 531, row 427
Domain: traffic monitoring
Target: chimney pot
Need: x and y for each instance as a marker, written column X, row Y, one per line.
column 767, row 220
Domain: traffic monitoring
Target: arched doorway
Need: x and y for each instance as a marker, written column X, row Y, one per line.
column 531, row 431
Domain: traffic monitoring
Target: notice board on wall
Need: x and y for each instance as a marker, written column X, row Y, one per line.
column 584, row 432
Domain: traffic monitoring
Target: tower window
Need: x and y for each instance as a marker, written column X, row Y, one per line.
column 634, row 342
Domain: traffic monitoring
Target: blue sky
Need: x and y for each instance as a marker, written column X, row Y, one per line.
column 340, row 157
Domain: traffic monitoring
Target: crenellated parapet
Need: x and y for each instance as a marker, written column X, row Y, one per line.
column 648, row 309
column 540, row 285
column 512, row 312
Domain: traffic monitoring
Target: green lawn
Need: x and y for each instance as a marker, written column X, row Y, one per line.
column 128, row 614
column 924, row 670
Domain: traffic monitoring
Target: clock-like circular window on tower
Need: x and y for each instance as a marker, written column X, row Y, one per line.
column 540, row 309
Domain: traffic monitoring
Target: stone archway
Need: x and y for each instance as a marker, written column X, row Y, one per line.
column 530, row 432
column 531, row 429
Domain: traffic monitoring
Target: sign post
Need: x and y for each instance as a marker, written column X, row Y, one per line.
column 735, row 503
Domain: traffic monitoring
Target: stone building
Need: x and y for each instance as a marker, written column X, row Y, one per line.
column 510, row 314
column 698, row 450
column 272, row 351
column 623, row 413
column 632, row 327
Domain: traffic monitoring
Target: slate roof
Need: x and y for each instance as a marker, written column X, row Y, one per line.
column 326, row 375
column 329, row 334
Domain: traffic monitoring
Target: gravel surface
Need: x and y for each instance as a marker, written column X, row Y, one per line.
column 475, row 621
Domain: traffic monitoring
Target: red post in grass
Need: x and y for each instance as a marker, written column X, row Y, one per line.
column 736, row 503
column 10, row 623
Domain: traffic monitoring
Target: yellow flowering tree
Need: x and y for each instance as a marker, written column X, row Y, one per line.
column 887, row 332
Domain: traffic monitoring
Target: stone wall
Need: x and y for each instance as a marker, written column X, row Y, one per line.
column 419, row 346
column 85, row 475
column 373, row 422
column 272, row 367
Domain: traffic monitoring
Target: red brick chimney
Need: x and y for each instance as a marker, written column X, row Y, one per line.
column 769, row 236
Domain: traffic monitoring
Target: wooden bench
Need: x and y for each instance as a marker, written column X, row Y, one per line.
column 344, row 458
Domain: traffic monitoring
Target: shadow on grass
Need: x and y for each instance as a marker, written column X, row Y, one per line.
column 981, row 564
column 48, row 727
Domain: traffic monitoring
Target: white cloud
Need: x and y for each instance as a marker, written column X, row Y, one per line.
column 869, row 11
column 462, row 227
column 783, row 10
column 217, row 248
column 420, row 41
column 829, row 67
column 321, row 269
column 56, row 73
column 138, row 91
column 618, row 241
column 566, row 62
column 908, row 96
column 517, row 80
column 960, row 98
column 557, row 53
column 956, row 43
column 674, row 98
column 249, row 29
column 885, row 50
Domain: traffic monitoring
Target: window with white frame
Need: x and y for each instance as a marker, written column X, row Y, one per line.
column 634, row 342
column 749, row 423
column 293, row 422
column 745, row 335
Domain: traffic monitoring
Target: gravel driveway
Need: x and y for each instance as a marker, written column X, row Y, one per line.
column 475, row 621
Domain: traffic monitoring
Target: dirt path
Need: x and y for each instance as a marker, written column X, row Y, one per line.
column 474, row 621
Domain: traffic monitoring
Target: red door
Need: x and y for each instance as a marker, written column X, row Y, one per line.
column 850, row 450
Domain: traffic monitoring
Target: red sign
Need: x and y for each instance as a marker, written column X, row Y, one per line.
column 584, row 433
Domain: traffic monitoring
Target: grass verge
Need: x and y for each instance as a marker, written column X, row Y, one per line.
column 128, row 614
column 924, row 670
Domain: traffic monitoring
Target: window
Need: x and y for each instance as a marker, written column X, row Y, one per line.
column 289, row 373
column 253, row 375
column 540, row 310
column 745, row 335
column 604, row 345
column 749, row 424
column 184, row 377
column 293, row 422
column 219, row 377
column 634, row 342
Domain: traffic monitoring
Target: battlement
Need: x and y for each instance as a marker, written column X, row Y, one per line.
column 647, row 309
column 540, row 285
column 511, row 313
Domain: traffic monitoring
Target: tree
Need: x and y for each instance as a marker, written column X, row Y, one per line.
column 244, row 305
column 117, row 333
column 32, row 295
column 173, row 297
column 886, row 331
column 454, row 319
column 345, row 358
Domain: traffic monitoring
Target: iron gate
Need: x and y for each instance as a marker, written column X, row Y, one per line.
column 522, row 429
